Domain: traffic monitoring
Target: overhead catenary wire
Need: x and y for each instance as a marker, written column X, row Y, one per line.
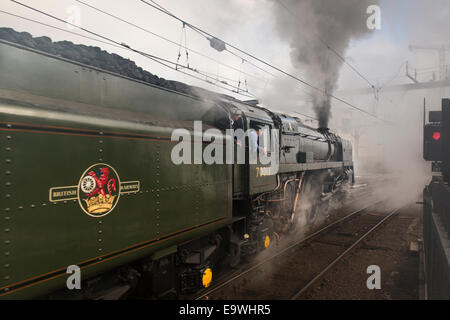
column 393, row 78
column 165, row 38
column 206, row 34
column 162, row 61
column 114, row 45
column 202, row 33
column 183, row 34
column 305, row 115
column 91, row 32
column 94, row 39
column 249, row 62
column 61, row 29
column 223, row 78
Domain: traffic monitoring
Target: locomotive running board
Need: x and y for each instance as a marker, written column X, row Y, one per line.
column 284, row 168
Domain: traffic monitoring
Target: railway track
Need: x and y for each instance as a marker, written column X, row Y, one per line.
column 319, row 276
column 289, row 276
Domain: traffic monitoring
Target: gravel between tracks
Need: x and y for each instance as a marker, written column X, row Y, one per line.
column 389, row 248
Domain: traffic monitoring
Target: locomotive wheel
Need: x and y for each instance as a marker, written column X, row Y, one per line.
column 324, row 208
column 288, row 205
column 311, row 198
column 235, row 255
column 289, row 199
column 311, row 214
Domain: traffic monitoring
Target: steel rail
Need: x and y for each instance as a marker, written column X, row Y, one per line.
column 342, row 255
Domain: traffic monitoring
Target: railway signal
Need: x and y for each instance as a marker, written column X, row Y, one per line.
column 432, row 142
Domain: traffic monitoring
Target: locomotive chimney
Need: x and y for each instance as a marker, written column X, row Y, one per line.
column 323, row 130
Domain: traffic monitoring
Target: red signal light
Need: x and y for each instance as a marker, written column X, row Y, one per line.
column 436, row 135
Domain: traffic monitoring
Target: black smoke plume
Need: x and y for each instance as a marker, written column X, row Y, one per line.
column 314, row 29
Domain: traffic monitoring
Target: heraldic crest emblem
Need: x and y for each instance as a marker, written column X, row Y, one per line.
column 99, row 190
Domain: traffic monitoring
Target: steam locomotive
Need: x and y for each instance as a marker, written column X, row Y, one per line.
column 89, row 186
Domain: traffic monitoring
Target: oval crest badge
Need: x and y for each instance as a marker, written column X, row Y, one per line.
column 99, row 190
